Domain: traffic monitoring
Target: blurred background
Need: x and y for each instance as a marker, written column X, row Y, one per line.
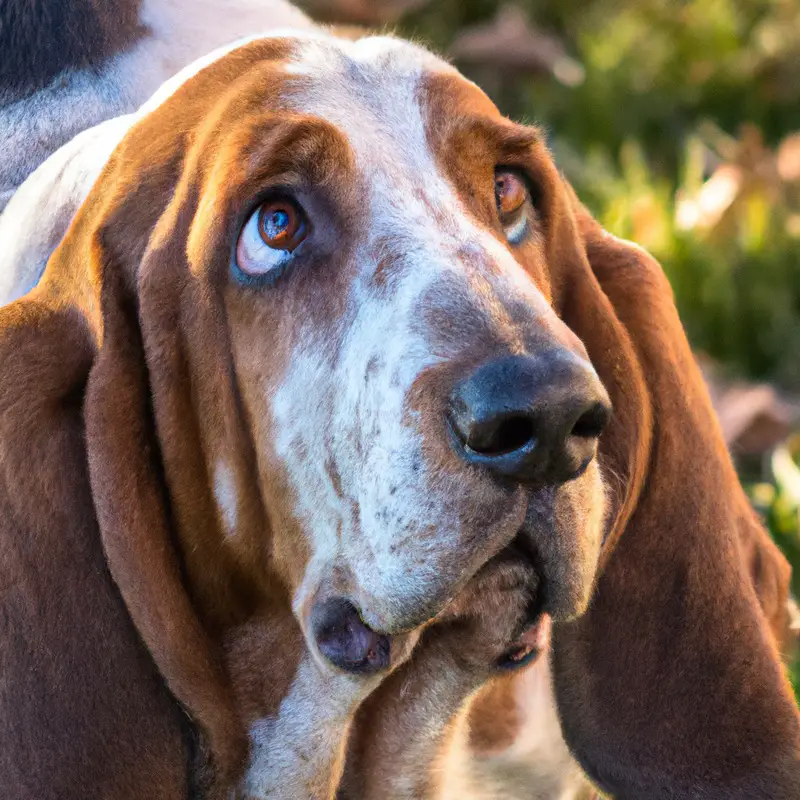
column 678, row 122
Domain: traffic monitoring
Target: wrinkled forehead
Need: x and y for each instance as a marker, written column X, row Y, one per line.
column 386, row 97
column 372, row 122
column 379, row 93
column 392, row 102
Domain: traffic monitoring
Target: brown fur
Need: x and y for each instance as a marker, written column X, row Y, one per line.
column 494, row 716
column 771, row 575
column 671, row 684
column 404, row 726
column 79, row 693
column 88, row 303
column 675, row 639
column 158, row 398
column 123, row 599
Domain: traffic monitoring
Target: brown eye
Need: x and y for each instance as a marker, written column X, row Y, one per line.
column 510, row 193
column 513, row 205
column 267, row 242
column 281, row 225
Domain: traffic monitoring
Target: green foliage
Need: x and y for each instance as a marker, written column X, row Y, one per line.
column 737, row 286
column 653, row 67
column 779, row 504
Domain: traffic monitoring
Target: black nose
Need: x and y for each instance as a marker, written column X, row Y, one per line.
column 345, row 641
column 535, row 419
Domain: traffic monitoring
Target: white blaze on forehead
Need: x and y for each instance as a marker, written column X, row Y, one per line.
column 372, row 91
column 385, row 515
column 369, row 90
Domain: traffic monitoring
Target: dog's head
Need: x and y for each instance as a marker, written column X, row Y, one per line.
column 340, row 311
column 383, row 240
column 345, row 265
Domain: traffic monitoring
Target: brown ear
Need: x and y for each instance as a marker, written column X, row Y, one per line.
column 132, row 509
column 771, row 575
column 671, row 684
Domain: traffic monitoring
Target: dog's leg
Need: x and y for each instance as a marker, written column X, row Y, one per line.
column 298, row 712
column 298, row 753
column 400, row 744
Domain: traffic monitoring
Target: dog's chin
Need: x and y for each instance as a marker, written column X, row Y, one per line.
column 363, row 633
column 560, row 539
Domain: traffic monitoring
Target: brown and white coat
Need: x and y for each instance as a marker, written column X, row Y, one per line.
column 252, row 451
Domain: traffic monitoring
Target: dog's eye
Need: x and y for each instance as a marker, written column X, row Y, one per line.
column 269, row 238
column 509, row 191
column 511, row 196
column 281, row 225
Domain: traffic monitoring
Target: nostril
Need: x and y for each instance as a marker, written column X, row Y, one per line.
column 535, row 419
column 592, row 423
column 506, row 436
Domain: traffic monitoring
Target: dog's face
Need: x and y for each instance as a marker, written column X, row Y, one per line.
column 312, row 317
column 384, row 245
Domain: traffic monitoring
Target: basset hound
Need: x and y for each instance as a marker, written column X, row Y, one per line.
column 306, row 435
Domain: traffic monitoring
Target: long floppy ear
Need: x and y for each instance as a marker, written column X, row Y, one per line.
column 671, row 685
column 136, row 527
column 771, row 575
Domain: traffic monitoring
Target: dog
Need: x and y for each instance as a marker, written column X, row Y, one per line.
column 626, row 454
column 76, row 64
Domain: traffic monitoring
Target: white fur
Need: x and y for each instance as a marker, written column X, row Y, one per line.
column 40, row 212
column 386, row 131
column 536, row 765
column 540, row 756
column 226, row 496
column 298, row 753
column 384, row 123
column 179, row 32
